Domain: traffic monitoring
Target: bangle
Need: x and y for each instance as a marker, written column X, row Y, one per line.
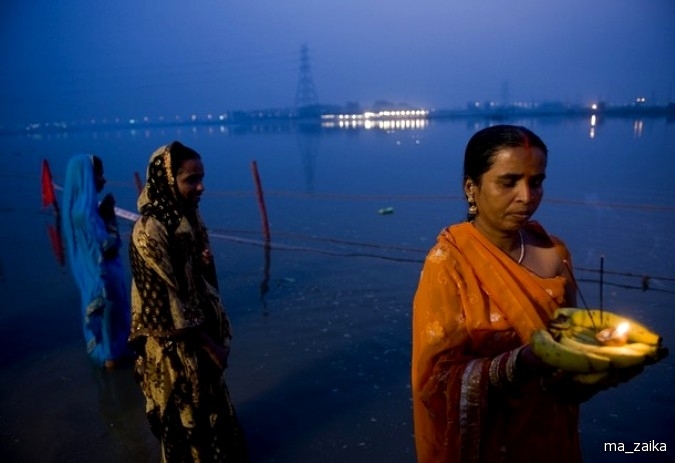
column 511, row 364
column 497, row 370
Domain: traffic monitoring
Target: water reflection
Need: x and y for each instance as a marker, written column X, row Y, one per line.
column 638, row 126
column 265, row 282
column 307, row 139
column 56, row 240
column 120, row 406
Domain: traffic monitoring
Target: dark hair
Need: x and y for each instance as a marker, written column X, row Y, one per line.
column 179, row 154
column 484, row 144
column 97, row 164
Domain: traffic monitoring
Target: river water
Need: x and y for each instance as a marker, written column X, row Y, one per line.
column 319, row 369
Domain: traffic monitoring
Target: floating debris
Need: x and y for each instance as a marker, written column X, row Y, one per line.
column 386, row 211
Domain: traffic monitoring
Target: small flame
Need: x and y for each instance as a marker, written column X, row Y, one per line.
column 622, row 328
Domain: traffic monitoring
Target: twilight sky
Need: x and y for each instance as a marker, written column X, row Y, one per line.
column 84, row 59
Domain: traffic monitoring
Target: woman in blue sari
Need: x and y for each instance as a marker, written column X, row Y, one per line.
column 93, row 243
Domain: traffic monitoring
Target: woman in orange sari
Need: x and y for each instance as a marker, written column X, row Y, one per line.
column 479, row 393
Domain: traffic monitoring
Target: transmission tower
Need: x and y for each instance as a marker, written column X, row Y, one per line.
column 305, row 94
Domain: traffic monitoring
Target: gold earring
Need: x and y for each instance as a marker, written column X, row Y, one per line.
column 473, row 209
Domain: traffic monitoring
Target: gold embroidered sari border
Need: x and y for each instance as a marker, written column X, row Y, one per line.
column 471, row 404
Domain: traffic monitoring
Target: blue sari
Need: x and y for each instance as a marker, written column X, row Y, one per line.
column 93, row 254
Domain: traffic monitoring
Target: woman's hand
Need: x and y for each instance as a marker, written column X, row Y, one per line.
column 573, row 391
column 207, row 257
column 530, row 366
column 219, row 354
column 107, row 208
column 565, row 384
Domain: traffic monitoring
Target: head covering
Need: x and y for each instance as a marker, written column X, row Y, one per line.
column 83, row 228
column 165, row 253
column 158, row 198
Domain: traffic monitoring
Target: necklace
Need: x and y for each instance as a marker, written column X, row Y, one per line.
column 522, row 247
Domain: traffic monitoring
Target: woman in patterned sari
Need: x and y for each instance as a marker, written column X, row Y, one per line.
column 179, row 326
column 93, row 243
column 479, row 393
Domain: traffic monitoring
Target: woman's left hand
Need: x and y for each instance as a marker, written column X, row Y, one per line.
column 219, row 354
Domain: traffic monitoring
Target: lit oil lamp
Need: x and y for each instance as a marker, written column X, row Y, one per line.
column 614, row 336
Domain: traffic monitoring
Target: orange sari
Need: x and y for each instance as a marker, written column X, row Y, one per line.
column 472, row 304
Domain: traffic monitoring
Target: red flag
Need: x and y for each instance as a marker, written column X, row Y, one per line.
column 48, row 196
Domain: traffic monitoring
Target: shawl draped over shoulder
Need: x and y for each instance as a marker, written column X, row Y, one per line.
column 172, row 289
column 174, row 295
column 473, row 303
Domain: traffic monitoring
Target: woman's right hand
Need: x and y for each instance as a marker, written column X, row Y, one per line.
column 563, row 383
column 569, row 390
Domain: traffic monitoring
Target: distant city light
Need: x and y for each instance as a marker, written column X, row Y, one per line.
column 388, row 119
column 385, row 119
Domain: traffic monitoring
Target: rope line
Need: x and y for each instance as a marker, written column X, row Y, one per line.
column 624, row 274
column 132, row 216
column 380, row 197
column 619, row 285
column 228, row 236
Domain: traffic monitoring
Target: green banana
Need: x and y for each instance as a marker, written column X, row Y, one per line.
column 601, row 319
column 565, row 357
column 619, row 356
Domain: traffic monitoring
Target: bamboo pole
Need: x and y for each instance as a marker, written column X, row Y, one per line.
column 138, row 182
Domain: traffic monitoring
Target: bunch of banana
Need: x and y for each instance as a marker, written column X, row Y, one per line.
column 565, row 357
column 600, row 319
column 570, row 344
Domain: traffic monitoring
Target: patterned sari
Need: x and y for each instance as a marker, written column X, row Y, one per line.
column 473, row 308
column 93, row 254
column 174, row 296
